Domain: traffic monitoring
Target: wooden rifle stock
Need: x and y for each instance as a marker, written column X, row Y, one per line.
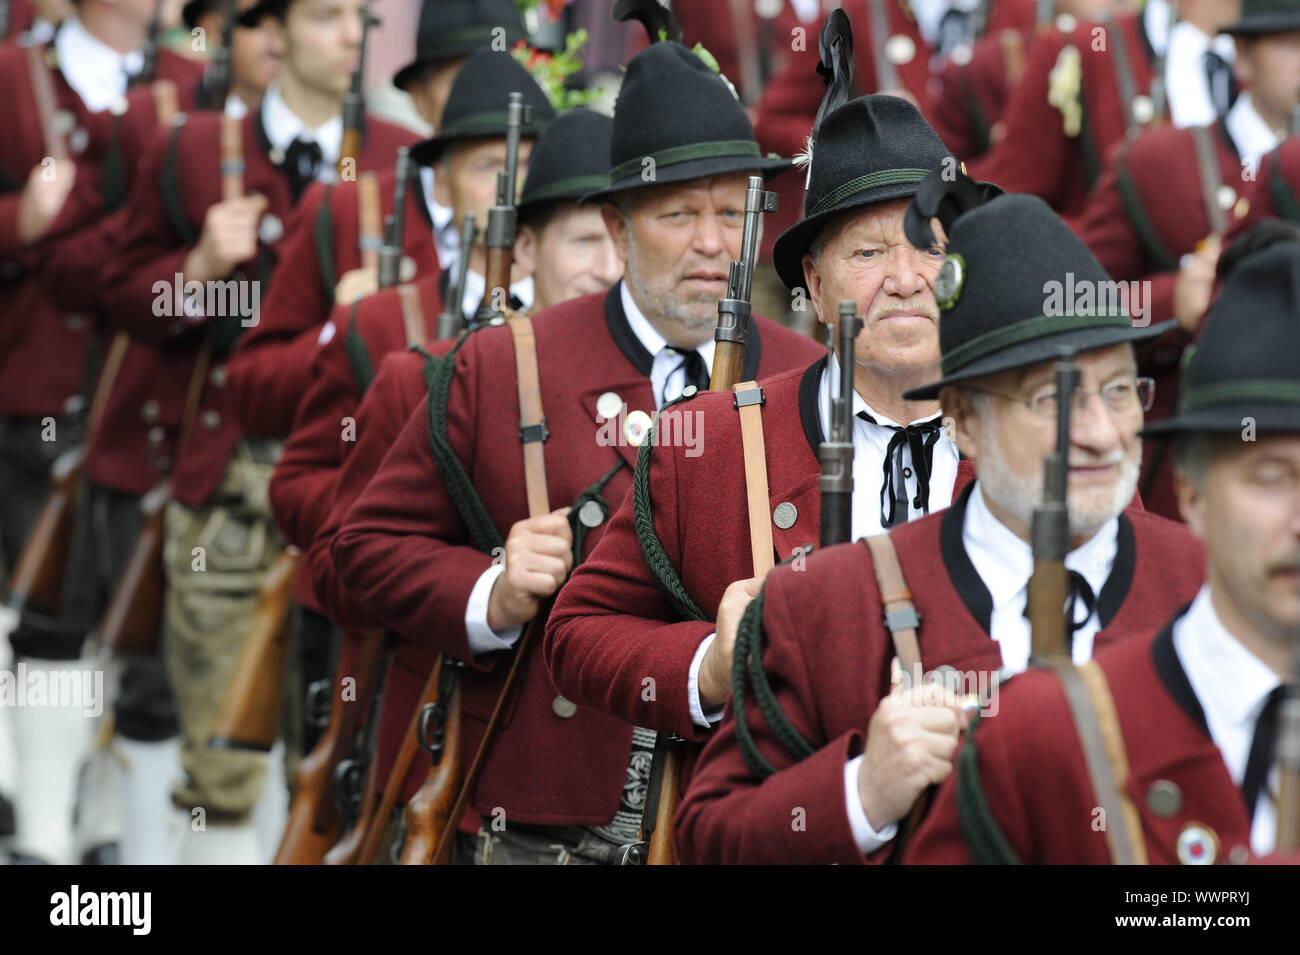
column 354, row 104
column 314, row 823
column 249, row 716
column 133, row 620
column 429, row 813
column 502, row 224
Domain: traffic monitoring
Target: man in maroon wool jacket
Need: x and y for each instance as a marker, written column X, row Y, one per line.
column 181, row 230
column 613, row 627
column 823, row 760
column 561, row 772
column 1197, row 698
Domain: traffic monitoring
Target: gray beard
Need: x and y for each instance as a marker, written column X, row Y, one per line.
column 671, row 307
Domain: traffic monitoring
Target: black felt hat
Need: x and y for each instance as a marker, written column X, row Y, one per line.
column 262, row 9
column 872, row 149
column 192, row 11
column 454, row 28
column 570, row 160
column 1259, row 17
column 476, row 105
column 1246, row 363
column 674, row 110
column 1016, row 288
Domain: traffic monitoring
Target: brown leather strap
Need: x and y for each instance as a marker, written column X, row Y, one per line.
column 113, row 362
column 46, row 103
column 412, row 314
column 1097, row 725
column 166, row 101
column 1013, row 55
column 370, row 217
column 900, row 614
column 532, row 422
column 749, row 401
column 232, row 158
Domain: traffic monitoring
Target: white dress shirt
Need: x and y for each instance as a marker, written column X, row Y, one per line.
column 94, row 70
column 930, row 13
column 283, row 126
column 445, row 237
column 668, row 373
column 869, row 444
column 1004, row 562
column 1231, row 684
column 1186, row 84
column 1253, row 137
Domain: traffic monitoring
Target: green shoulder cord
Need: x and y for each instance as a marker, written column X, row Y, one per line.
column 483, row 534
column 1159, row 253
column 1284, row 200
column 363, row 369
column 323, row 233
column 591, row 495
column 984, row 837
column 170, row 183
column 652, row 549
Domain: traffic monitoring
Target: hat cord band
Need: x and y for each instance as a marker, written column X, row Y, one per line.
column 687, row 153
column 1268, row 390
column 882, row 177
column 574, row 186
column 482, row 32
column 486, row 123
column 1040, row 327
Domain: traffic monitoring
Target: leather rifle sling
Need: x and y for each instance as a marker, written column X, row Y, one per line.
column 1124, row 76
column 1207, row 166
column 166, row 101
column 1098, row 727
column 749, row 401
column 900, row 615
column 532, row 432
column 412, row 314
column 370, row 220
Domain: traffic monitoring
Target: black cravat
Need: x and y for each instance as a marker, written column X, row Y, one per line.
column 921, row 438
column 697, row 373
column 301, row 164
column 1078, row 592
column 1263, row 750
column 1223, row 86
column 956, row 28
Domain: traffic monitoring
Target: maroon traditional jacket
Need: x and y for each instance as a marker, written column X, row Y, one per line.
column 1161, row 169
column 1037, row 785
column 43, row 348
column 152, row 250
column 827, row 654
column 1276, row 188
column 973, row 95
column 1036, row 154
column 269, row 367
column 612, row 626
column 405, row 554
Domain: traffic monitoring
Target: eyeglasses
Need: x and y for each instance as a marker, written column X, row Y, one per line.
column 1122, row 396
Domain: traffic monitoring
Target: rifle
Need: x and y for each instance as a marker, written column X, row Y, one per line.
column 215, row 87
column 133, row 619
column 836, row 455
column 1050, row 531
column 354, row 101
column 428, row 814
column 502, row 220
column 36, row 584
column 390, row 253
column 149, row 65
column 314, row 818
column 732, row 334
column 452, row 319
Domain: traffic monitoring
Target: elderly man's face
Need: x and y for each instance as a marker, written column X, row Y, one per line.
column 677, row 242
column 867, row 259
column 1247, row 510
column 1007, row 441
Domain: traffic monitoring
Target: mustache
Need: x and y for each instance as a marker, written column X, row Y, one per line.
column 917, row 306
column 1288, row 562
column 1097, row 461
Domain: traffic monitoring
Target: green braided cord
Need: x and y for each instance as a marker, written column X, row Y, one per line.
column 643, row 520
column 1137, row 217
column 483, row 534
column 170, row 184
column 1091, row 157
column 1031, row 328
column 1276, row 391
column 1284, row 200
column 988, row 844
column 570, row 186
column 363, row 370
column 881, row 177
column 323, row 236
column 748, row 654
column 592, row 493
column 727, row 148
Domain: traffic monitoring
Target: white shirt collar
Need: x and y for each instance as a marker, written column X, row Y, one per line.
column 831, row 387
column 1185, row 77
column 930, row 13
column 1155, row 23
column 40, row 32
column 665, row 374
column 476, row 283
column 1253, row 137
column 283, row 126
column 96, row 71
column 445, row 237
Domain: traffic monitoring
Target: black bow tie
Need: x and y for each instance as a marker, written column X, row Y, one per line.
column 1263, row 750
column 920, row 438
column 1077, row 592
column 956, row 28
column 697, row 373
column 301, row 164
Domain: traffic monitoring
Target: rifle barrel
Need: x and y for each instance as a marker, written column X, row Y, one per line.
column 390, row 254
column 836, row 455
column 453, row 316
